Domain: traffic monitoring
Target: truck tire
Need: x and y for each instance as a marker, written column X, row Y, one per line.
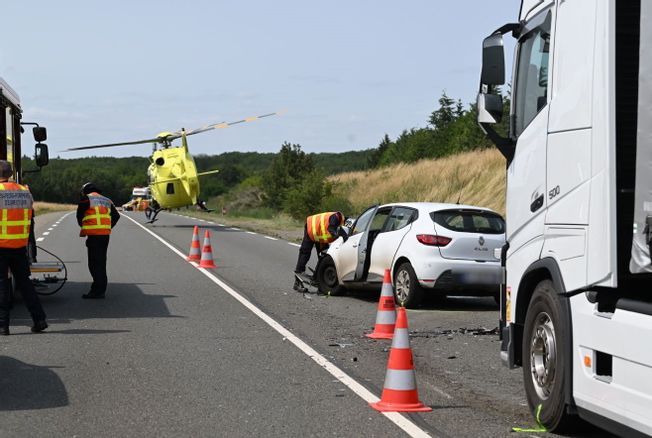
column 407, row 290
column 545, row 338
column 327, row 281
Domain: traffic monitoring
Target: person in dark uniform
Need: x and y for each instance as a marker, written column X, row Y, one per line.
column 319, row 231
column 96, row 215
column 15, row 223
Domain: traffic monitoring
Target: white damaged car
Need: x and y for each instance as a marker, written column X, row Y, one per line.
column 428, row 247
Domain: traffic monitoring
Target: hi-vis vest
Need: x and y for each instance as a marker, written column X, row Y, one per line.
column 317, row 226
column 97, row 219
column 16, row 217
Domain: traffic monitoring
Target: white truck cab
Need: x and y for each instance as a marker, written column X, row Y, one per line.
column 576, row 304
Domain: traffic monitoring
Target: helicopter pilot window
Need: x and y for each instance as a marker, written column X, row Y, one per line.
column 169, row 189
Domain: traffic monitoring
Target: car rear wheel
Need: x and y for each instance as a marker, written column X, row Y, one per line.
column 407, row 289
column 327, row 281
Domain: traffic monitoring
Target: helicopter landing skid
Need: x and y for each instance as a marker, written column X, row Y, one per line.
column 151, row 215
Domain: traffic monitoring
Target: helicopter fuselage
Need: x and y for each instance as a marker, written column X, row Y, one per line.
column 173, row 178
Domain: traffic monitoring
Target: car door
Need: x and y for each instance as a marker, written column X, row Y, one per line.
column 386, row 245
column 346, row 254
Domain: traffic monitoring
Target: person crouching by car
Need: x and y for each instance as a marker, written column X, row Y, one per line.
column 319, row 231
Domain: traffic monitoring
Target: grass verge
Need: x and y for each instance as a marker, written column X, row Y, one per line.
column 281, row 225
column 51, row 207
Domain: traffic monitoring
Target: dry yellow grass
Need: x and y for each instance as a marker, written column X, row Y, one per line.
column 51, row 207
column 477, row 177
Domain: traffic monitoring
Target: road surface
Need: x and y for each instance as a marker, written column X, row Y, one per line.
column 179, row 351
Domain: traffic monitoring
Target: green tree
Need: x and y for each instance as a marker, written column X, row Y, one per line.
column 287, row 170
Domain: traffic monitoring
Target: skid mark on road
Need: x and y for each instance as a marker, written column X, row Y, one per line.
column 401, row 421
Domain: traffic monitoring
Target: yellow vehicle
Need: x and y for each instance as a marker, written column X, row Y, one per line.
column 172, row 174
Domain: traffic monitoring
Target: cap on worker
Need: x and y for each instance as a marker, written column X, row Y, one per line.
column 89, row 187
column 5, row 169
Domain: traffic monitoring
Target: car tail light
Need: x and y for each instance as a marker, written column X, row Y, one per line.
column 429, row 239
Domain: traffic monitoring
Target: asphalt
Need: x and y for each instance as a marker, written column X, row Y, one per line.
column 170, row 353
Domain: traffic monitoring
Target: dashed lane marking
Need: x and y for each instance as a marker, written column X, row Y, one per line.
column 234, row 229
column 294, row 244
column 401, row 421
column 45, row 233
column 40, row 239
column 50, row 229
column 251, row 232
column 270, row 237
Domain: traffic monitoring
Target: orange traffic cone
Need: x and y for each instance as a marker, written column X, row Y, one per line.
column 207, row 253
column 195, row 252
column 400, row 389
column 386, row 315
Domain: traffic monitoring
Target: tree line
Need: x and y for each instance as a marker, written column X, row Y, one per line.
column 290, row 180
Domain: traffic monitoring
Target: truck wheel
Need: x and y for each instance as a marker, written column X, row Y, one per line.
column 327, row 281
column 407, row 289
column 545, row 339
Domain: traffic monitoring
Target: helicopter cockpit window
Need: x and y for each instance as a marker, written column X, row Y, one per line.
column 169, row 189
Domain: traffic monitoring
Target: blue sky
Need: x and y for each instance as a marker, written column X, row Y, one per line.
column 345, row 72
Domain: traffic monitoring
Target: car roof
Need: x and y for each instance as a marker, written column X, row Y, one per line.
column 436, row 206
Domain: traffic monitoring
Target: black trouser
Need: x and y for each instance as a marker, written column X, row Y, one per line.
column 97, row 248
column 305, row 250
column 16, row 261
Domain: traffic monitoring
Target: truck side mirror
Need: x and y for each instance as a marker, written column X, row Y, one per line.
column 493, row 60
column 41, row 155
column 490, row 108
column 40, row 134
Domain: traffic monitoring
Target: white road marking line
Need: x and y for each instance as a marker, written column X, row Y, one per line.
column 401, row 421
column 54, row 225
column 270, row 238
column 40, row 239
column 234, row 229
column 50, row 229
column 221, row 225
column 251, row 232
column 294, row 244
column 45, row 233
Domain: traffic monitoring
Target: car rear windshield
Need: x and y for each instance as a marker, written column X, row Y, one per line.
column 469, row 221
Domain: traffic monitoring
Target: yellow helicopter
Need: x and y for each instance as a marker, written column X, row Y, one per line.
column 172, row 174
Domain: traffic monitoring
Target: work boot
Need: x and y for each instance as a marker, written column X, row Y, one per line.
column 39, row 326
column 297, row 284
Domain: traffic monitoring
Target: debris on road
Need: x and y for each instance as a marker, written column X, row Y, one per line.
column 481, row 331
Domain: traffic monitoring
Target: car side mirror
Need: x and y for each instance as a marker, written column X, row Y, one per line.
column 40, row 134
column 41, row 155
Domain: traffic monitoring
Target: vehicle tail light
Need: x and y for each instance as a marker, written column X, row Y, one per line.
column 432, row 240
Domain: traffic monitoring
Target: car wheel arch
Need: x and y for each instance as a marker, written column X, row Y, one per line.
column 397, row 263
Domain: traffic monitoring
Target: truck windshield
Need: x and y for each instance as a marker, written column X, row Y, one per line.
column 531, row 91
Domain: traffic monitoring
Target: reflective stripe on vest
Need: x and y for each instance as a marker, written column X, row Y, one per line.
column 317, row 227
column 15, row 215
column 97, row 218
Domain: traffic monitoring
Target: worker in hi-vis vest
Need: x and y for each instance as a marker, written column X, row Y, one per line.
column 16, row 212
column 96, row 215
column 319, row 231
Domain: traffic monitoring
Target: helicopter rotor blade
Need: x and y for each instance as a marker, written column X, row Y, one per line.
column 109, row 145
column 223, row 125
